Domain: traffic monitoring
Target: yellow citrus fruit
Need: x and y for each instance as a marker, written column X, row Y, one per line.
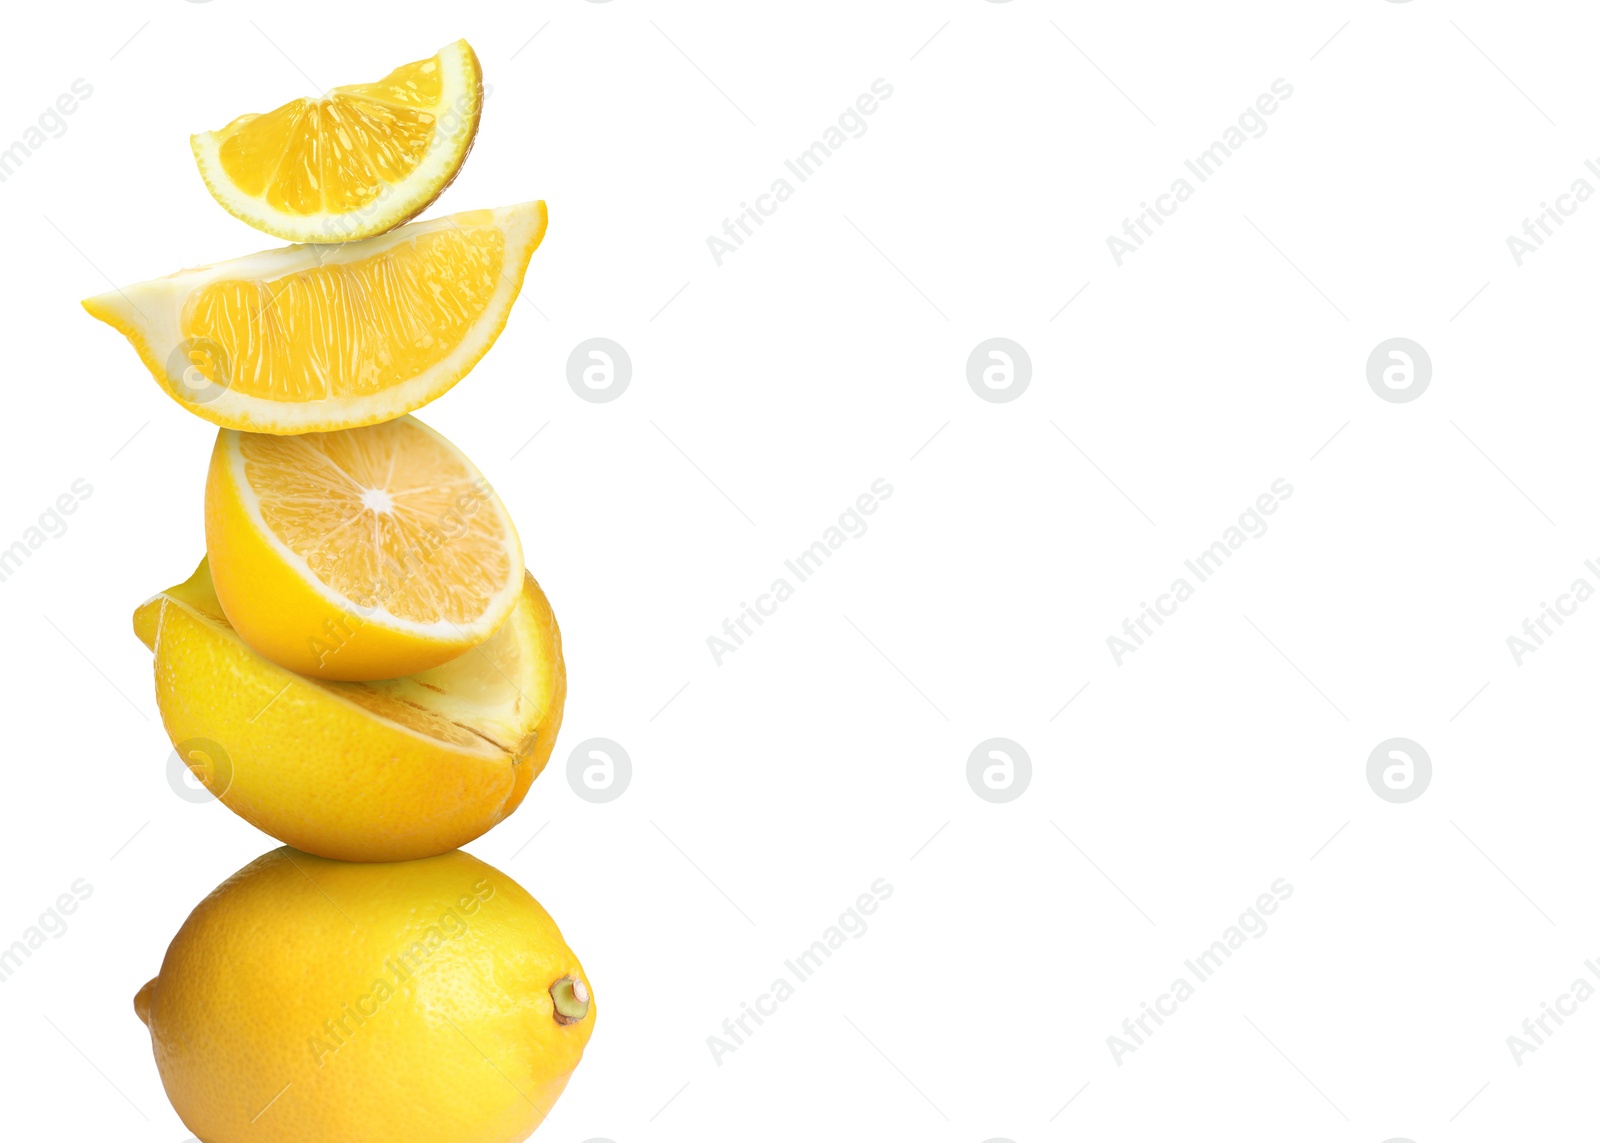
column 360, row 554
column 429, row 1001
column 357, row 162
column 313, row 338
column 378, row 771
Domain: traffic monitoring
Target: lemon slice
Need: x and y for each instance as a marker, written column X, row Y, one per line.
column 361, row 554
column 357, row 162
column 313, row 338
column 378, row 771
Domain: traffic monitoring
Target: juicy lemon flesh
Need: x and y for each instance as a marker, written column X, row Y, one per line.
column 336, row 154
column 314, row 338
column 361, row 506
column 348, row 329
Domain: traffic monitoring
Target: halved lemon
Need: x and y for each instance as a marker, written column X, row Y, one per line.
column 367, row 553
column 379, row 771
column 357, row 162
column 312, row 338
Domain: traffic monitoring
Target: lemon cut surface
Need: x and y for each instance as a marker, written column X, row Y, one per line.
column 357, row 162
column 366, row 553
column 315, row 338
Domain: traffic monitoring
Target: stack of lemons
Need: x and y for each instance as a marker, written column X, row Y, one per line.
column 361, row 666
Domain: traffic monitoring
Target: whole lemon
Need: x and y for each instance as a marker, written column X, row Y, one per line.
column 430, row 1001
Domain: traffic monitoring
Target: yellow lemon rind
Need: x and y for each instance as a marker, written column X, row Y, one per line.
column 372, row 995
column 308, row 763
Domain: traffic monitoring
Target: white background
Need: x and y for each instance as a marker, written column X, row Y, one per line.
column 767, row 394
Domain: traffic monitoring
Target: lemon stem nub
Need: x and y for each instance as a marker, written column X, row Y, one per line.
column 571, row 997
column 141, row 1001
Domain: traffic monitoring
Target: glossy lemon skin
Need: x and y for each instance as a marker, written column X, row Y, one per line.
column 307, row 999
column 298, row 760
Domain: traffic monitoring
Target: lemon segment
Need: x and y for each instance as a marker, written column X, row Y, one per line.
column 377, row 771
column 316, row 338
column 357, row 162
column 429, row 294
column 361, row 554
column 306, row 999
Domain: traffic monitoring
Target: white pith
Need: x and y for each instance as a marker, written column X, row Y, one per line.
column 441, row 631
column 460, row 98
column 149, row 314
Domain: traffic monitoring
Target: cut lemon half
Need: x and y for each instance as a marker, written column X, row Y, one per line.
column 313, row 338
column 367, row 553
column 379, row 771
column 357, row 162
